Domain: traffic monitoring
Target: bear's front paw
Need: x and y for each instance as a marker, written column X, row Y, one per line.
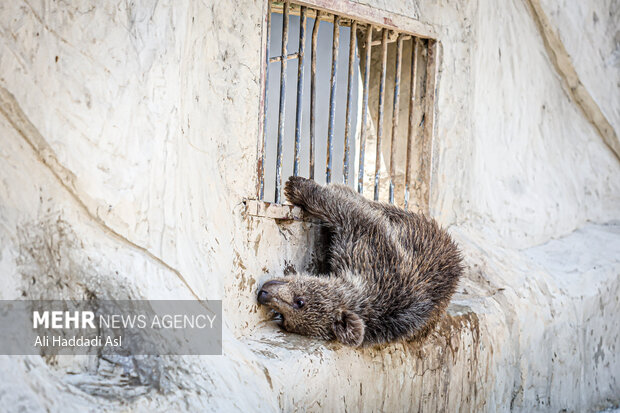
column 294, row 189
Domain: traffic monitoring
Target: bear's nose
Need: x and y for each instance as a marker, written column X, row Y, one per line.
column 263, row 297
column 265, row 293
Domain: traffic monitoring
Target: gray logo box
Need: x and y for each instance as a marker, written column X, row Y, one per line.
column 108, row 327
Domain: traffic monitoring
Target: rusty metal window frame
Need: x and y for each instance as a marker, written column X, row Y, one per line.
column 364, row 19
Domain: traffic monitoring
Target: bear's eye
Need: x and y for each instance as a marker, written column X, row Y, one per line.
column 299, row 302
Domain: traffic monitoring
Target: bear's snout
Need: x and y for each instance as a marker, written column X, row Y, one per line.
column 265, row 294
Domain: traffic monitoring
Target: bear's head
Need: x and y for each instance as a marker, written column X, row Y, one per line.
column 321, row 307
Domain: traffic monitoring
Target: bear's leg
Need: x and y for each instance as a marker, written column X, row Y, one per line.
column 335, row 205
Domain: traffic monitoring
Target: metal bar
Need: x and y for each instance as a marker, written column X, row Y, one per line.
column 360, row 175
column 288, row 57
column 399, row 61
column 412, row 97
column 261, row 163
column 347, row 127
column 332, row 99
column 282, row 104
column 426, row 147
column 381, row 104
column 300, row 87
column 315, row 35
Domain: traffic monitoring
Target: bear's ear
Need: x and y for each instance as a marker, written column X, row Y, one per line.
column 349, row 328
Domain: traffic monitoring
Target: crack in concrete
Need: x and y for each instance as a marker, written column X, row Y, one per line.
column 570, row 79
column 9, row 107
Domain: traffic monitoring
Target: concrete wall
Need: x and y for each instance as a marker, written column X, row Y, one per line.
column 128, row 142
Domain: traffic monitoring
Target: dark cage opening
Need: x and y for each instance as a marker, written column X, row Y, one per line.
column 346, row 101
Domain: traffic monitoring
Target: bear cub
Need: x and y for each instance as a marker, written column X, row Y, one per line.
column 387, row 274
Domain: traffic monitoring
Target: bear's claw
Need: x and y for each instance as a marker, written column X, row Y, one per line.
column 293, row 190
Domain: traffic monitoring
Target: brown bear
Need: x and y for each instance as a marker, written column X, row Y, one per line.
column 389, row 273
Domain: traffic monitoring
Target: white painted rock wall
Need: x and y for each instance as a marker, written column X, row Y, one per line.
column 128, row 138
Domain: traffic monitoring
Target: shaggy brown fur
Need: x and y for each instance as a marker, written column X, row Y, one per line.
column 390, row 273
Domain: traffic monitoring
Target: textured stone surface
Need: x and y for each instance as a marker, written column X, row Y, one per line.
column 128, row 136
column 600, row 43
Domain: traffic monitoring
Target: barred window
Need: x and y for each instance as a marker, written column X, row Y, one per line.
column 346, row 100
